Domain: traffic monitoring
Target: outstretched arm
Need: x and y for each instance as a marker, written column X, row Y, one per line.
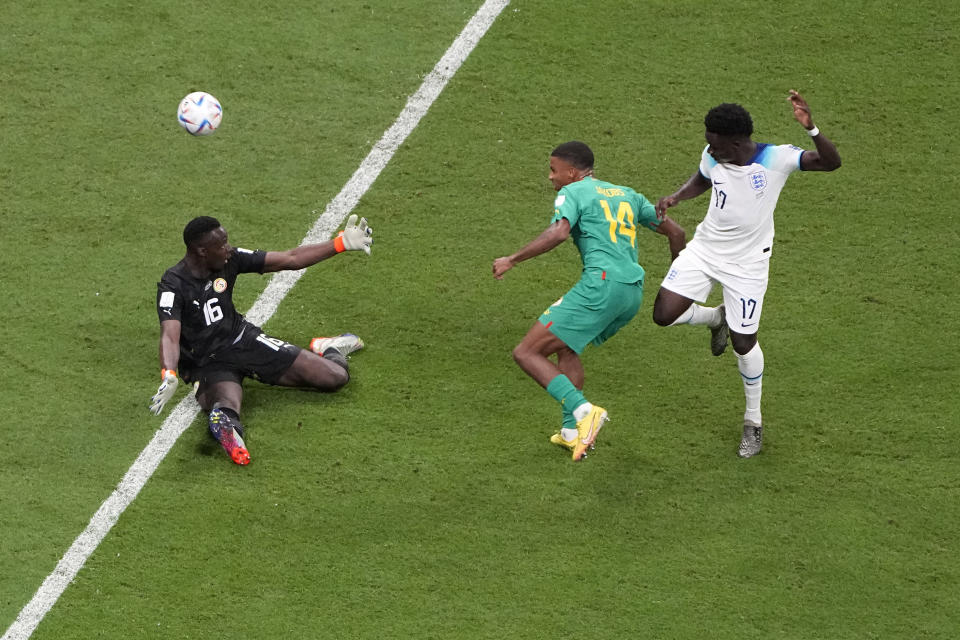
column 354, row 237
column 826, row 157
column 299, row 258
column 675, row 235
column 693, row 187
column 551, row 237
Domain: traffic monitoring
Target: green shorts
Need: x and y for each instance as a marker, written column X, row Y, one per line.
column 593, row 310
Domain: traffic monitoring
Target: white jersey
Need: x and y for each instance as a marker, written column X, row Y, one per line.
column 738, row 227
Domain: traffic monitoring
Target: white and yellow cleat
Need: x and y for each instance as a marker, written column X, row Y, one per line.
column 558, row 440
column 587, row 430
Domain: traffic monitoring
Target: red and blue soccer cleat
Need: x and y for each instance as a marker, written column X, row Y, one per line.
column 228, row 433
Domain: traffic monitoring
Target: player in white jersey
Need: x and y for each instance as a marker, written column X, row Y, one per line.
column 733, row 243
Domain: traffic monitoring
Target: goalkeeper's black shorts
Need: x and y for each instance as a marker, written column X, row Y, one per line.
column 254, row 355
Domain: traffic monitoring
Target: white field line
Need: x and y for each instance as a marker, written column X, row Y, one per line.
column 262, row 310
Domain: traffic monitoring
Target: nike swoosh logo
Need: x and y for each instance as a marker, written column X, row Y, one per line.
column 594, row 428
column 742, row 324
column 719, row 183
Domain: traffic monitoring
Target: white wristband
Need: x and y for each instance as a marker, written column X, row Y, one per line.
column 813, row 133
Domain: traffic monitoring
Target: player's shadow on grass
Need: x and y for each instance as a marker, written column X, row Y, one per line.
column 209, row 447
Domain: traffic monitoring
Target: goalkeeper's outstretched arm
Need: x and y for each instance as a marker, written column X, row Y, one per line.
column 356, row 236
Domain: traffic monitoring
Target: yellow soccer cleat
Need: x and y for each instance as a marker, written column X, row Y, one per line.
column 587, row 429
column 557, row 439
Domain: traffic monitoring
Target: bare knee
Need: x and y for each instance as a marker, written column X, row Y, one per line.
column 311, row 371
column 663, row 314
column 328, row 375
column 339, row 377
column 661, row 317
column 743, row 342
column 668, row 307
column 226, row 394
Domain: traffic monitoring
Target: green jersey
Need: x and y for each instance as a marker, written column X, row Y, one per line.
column 603, row 220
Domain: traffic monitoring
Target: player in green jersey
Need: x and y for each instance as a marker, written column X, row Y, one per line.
column 603, row 219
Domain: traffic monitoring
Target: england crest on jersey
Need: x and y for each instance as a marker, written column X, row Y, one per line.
column 758, row 180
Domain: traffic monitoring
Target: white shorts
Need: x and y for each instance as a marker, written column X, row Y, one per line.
column 744, row 286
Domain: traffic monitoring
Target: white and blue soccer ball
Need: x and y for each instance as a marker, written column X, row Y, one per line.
column 199, row 113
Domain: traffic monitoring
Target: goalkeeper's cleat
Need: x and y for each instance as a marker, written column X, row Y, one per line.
column 229, row 434
column 345, row 343
column 720, row 333
column 238, row 452
column 557, row 439
column 752, row 440
column 587, row 430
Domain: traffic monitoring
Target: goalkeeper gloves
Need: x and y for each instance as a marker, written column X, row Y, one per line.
column 354, row 237
column 168, row 387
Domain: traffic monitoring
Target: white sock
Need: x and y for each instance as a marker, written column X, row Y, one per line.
column 750, row 365
column 697, row 315
column 568, row 434
column 581, row 412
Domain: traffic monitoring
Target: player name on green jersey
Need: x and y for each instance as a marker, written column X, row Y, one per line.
column 603, row 221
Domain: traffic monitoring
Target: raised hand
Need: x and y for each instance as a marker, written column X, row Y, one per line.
column 801, row 110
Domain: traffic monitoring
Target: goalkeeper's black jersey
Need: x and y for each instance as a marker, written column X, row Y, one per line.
column 209, row 322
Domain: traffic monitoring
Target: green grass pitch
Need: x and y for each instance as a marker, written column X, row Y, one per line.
column 424, row 500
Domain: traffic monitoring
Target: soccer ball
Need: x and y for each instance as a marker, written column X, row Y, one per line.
column 199, row 113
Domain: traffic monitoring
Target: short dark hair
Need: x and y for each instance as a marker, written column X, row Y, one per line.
column 729, row 119
column 576, row 153
column 197, row 228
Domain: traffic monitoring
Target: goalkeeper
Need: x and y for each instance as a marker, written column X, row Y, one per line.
column 203, row 339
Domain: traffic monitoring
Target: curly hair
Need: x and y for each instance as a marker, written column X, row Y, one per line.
column 729, row 119
column 576, row 153
column 197, row 228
